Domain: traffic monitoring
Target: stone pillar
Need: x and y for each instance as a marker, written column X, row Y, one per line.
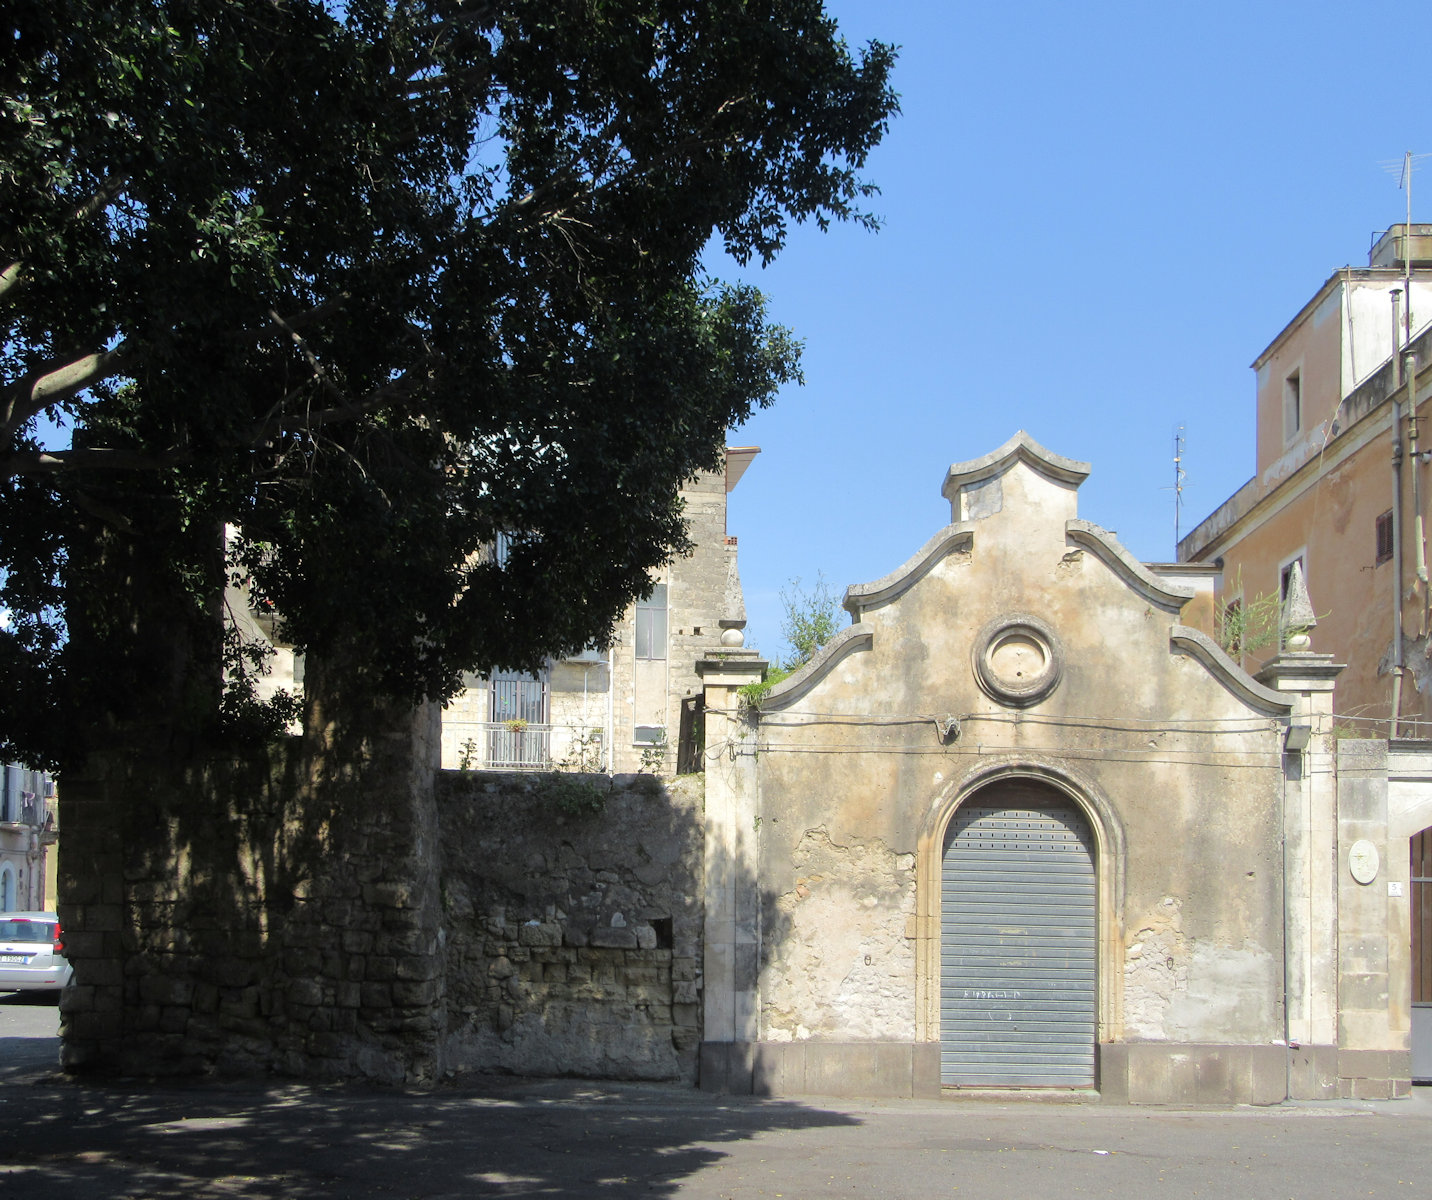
column 1310, row 902
column 732, row 901
column 1374, row 1062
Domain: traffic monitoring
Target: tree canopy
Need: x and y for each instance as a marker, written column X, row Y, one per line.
column 374, row 282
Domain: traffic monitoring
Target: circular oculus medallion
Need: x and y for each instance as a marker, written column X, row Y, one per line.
column 1018, row 660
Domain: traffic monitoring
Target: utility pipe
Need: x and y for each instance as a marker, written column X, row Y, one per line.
column 1396, row 526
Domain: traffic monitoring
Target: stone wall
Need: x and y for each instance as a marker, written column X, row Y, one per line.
column 573, row 924
column 273, row 915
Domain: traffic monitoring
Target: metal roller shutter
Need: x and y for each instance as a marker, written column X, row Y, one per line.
column 1017, row 944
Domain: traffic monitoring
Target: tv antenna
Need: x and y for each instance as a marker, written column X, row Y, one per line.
column 1403, row 168
column 1178, row 479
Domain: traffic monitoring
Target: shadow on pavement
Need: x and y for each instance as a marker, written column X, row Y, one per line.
column 551, row 1138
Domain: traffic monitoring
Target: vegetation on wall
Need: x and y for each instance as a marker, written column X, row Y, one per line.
column 812, row 616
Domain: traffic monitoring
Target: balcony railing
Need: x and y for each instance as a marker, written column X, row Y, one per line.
column 514, row 746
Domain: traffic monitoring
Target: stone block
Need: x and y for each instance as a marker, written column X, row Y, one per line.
column 356, row 941
column 304, row 992
column 1364, row 1064
column 103, row 918
column 726, row 1067
column 108, row 1000
column 84, row 1026
column 325, row 1044
column 244, row 1003
column 376, row 995
column 231, row 972
column 873, row 1069
column 1365, row 990
column 416, row 968
column 161, row 989
column 614, row 939
column 1313, row 1073
column 104, row 972
column 1193, row 1073
column 382, row 968
column 414, row 995
column 77, row 998
column 540, row 934
column 1367, row 1089
column 393, row 894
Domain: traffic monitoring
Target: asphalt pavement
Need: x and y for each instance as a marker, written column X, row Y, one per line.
column 489, row 1136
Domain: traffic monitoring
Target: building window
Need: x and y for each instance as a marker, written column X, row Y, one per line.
column 518, row 733
column 1384, row 537
column 1292, row 406
column 651, row 623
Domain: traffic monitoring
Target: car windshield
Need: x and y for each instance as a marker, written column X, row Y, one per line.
column 26, row 931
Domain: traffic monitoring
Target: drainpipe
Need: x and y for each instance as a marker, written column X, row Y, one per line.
column 1396, row 527
column 1409, row 373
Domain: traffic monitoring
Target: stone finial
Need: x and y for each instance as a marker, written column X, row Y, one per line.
column 734, row 602
column 1297, row 617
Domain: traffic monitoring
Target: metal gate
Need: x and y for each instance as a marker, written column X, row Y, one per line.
column 1422, row 957
column 1017, row 943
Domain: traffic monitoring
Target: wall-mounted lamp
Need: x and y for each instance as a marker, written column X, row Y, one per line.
column 1296, row 740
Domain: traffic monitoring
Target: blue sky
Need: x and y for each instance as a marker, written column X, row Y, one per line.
column 1095, row 217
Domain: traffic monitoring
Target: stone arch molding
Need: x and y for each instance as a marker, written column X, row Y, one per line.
column 1109, row 867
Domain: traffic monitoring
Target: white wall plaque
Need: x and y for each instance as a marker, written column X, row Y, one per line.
column 1362, row 861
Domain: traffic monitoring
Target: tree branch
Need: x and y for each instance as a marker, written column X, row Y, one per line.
column 51, row 462
column 51, row 384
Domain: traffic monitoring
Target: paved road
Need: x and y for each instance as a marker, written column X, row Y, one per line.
column 567, row 1138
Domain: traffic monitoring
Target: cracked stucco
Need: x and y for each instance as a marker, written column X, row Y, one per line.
column 847, row 970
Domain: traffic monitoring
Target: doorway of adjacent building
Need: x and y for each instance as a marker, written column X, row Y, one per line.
column 1421, row 902
column 1018, row 946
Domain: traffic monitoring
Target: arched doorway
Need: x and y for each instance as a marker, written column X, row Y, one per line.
column 1018, row 940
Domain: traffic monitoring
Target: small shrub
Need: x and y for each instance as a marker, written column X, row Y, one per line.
column 573, row 796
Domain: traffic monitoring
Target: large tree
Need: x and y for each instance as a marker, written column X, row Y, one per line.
column 374, row 282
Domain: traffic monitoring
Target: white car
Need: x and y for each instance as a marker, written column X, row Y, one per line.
column 32, row 955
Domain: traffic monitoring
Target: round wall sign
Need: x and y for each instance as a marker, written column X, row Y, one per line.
column 1362, row 861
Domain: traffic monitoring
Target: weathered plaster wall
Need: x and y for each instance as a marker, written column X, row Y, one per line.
column 573, row 938
column 839, row 964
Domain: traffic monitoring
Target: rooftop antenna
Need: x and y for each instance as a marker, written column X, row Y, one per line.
column 1405, row 183
column 1178, row 478
column 1403, row 168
